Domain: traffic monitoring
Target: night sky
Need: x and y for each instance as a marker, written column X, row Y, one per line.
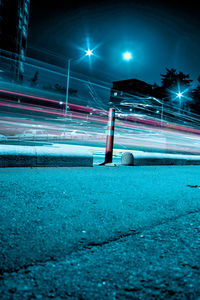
column 158, row 33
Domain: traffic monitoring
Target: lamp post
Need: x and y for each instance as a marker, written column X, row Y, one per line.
column 180, row 95
column 162, row 108
column 162, row 113
column 67, row 88
column 87, row 53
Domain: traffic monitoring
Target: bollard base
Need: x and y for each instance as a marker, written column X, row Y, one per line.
column 102, row 164
column 108, row 164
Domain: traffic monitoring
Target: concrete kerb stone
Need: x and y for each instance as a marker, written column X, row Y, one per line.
column 41, row 156
column 26, row 156
column 150, row 159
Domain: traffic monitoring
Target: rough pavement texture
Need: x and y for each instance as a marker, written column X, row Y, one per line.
column 105, row 233
column 162, row 262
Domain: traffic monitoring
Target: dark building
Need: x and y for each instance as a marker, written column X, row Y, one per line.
column 132, row 86
column 14, row 32
column 134, row 96
column 129, row 89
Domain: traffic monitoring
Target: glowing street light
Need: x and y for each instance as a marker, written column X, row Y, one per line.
column 127, row 55
column 87, row 53
column 179, row 95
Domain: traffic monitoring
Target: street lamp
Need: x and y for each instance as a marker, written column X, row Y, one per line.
column 162, row 107
column 179, row 95
column 127, row 56
column 88, row 52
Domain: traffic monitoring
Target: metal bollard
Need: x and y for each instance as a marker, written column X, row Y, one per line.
column 110, row 137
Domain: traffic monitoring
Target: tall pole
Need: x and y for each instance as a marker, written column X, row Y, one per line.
column 67, row 87
column 110, row 137
column 162, row 114
column 180, row 105
column 88, row 53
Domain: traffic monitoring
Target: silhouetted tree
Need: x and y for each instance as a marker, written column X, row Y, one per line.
column 196, row 98
column 155, row 86
column 158, row 91
column 169, row 79
column 172, row 79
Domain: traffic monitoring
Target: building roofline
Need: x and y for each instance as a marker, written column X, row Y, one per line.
column 130, row 80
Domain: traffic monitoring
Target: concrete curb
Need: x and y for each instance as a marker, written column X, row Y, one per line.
column 37, row 156
column 67, row 156
column 151, row 159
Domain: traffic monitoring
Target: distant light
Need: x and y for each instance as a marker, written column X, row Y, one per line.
column 60, row 102
column 89, row 52
column 127, row 55
column 179, row 95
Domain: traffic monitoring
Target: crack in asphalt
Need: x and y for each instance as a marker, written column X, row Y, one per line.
column 194, row 186
column 90, row 245
column 135, row 232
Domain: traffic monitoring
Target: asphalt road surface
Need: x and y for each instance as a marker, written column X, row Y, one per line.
column 100, row 233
